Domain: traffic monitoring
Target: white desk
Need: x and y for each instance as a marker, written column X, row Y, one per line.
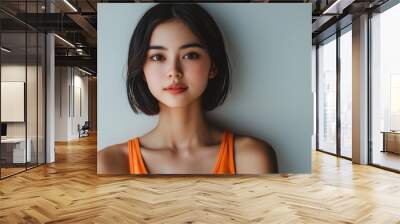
column 18, row 149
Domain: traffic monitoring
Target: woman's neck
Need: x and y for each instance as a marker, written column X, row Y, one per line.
column 183, row 127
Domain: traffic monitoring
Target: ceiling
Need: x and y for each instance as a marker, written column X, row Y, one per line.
column 76, row 22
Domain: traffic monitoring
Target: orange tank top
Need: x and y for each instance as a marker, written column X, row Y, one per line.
column 225, row 161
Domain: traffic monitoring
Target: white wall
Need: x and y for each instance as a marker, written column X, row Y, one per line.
column 61, row 103
column 34, row 124
column 12, row 73
column 80, row 83
column 69, row 82
column 17, row 72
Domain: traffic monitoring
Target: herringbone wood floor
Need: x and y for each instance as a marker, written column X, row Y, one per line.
column 69, row 191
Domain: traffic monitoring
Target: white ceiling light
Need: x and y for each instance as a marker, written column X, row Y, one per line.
column 79, row 51
column 329, row 9
column 338, row 6
column 5, row 49
column 65, row 41
column 86, row 72
column 70, row 5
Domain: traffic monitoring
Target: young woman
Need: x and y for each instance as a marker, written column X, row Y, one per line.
column 178, row 68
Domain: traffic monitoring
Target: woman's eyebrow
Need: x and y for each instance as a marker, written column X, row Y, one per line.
column 159, row 47
column 192, row 45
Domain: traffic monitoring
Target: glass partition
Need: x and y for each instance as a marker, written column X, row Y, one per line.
column 22, row 78
column 346, row 93
column 385, row 89
column 13, row 109
column 327, row 95
column 31, row 100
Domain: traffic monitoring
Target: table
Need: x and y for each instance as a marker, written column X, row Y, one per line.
column 391, row 141
column 15, row 148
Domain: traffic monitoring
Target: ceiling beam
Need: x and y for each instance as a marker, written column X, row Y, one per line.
column 85, row 61
column 85, row 25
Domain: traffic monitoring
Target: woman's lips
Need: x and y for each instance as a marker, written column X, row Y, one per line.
column 176, row 90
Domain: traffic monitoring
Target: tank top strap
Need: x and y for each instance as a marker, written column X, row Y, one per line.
column 226, row 159
column 136, row 163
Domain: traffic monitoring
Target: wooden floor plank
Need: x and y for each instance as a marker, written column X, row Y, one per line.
column 69, row 191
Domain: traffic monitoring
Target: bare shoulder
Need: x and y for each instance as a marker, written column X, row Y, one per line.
column 254, row 156
column 113, row 159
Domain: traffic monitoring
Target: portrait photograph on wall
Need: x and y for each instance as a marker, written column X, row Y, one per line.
column 210, row 88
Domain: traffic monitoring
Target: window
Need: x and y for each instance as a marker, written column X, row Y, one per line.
column 385, row 88
column 346, row 92
column 327, row 95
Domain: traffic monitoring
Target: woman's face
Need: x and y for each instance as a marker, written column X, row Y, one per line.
column 177, row 67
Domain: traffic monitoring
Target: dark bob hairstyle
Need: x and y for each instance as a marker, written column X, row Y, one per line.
column 204, row 27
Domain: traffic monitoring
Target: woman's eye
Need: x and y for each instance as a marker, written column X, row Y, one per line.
column 191, row 55
column 156, row 57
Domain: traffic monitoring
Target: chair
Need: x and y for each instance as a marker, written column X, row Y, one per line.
column 84, row 130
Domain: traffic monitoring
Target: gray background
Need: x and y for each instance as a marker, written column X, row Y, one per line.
column 269, row 46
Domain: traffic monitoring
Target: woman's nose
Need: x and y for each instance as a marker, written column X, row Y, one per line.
column 177, row 75
column 175, row 70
